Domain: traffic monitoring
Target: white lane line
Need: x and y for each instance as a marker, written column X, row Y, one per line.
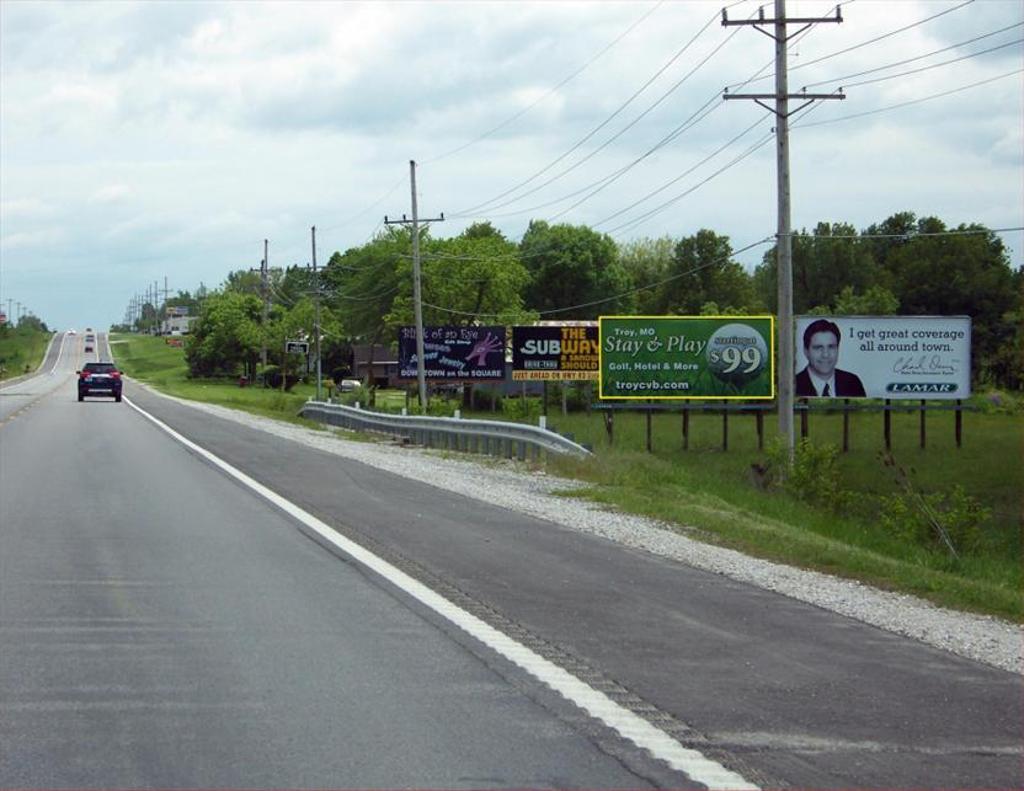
column 630, row 726
column 60, row 353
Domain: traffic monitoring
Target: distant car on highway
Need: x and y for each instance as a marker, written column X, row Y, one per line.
column 99, row 379
column 88, row 347
column 71, row 331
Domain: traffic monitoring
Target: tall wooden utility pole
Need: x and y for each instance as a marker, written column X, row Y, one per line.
column 265, row 295
column 417, row 297
column 784, row 239
column 316, row 318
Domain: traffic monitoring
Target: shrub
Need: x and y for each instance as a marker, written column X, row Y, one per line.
column 937, row 521
column 813, row 476
column 521, row 409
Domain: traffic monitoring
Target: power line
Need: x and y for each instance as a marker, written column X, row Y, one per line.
column 870, row 41
column 615, row 297
column 908, row 103
column 682, row 175
column 601, row 184
column 840, row 80
column 882, row 37
column 912, row 234
column 671, row 201
column 934, row 65
column 621, row 132
column 474, row 210
column 550, row 92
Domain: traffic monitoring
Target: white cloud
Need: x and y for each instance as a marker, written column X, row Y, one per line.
column 174, row 137
column 112, row 193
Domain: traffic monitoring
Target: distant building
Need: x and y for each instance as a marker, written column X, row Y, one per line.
column 177, row 325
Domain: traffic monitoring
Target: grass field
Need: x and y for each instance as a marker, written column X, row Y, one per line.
column 711, row 494
column 152, row 361
column 21, row 351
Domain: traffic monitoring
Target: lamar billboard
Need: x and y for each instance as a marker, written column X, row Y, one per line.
column 677, row 357
column 449, row 353
column 568, row 352
column 918, row 357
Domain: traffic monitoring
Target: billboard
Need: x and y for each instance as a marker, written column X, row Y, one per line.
column 918, row 357
column 555, row 353
column 462, row 353
column 678, row 357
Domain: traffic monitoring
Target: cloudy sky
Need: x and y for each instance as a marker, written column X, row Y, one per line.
column 144, row 141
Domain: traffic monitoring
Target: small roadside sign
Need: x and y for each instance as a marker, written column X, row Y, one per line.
column 296, row 347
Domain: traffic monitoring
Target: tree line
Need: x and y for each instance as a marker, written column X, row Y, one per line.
column 903, row 265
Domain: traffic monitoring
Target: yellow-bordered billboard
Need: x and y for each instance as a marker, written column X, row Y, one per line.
column 686, row 357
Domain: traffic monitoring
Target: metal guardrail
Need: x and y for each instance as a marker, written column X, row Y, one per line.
column 491, row 437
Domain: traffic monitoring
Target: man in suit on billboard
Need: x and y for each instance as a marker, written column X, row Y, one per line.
column 821, row 377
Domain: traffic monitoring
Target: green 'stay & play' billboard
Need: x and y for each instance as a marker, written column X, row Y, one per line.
column 677, row 357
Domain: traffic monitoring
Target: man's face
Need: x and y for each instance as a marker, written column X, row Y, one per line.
column 822, row 353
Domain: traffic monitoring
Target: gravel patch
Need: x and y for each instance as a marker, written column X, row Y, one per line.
column 979, row 637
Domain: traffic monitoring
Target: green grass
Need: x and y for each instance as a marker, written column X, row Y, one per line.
column 713, row 492
column 21, row 351
column 152, row 361
column 710, row 494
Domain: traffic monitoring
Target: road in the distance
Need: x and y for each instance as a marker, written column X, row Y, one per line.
column 21, row 392
column 161, row 627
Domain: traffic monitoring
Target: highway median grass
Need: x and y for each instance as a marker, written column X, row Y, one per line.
column 722, row 497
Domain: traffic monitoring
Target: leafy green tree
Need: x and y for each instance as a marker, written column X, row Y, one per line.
column 573, row 266
column 648, row 263
column 362, row 284
column 475, row 277
column 824, row 262
column 227, row 336
column 876, row 301
column 702, row 271
column 967, row 273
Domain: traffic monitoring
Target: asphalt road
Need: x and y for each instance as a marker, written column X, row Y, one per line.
column 160, row 626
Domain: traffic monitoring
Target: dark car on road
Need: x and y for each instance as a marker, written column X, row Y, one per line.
column 99, row 379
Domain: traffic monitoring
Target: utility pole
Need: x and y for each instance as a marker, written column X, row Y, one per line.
column 784, row 238
column 316, row 318
column 417, row 296
column 264, row 271
column 265, row 287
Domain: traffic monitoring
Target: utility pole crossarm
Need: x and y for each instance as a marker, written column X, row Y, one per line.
column 416, row 288
column 783, row 19
column 783, row 245
column 809, row 98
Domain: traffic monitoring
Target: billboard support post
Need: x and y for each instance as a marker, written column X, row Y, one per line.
column 887, row 424
column 922, row 423
column 959, row 423
column 846, row 425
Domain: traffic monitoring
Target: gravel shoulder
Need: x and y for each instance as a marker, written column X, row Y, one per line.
column 510, row 485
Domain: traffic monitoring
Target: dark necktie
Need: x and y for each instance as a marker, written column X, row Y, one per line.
column 826, row 392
